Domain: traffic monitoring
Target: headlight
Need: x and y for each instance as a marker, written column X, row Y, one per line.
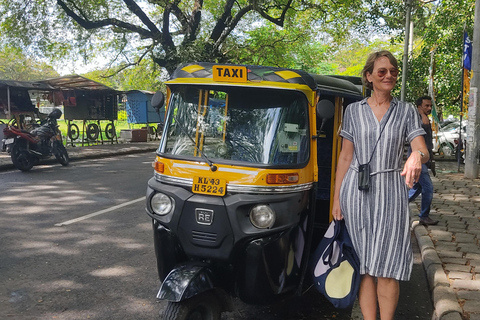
column 262, row 216
column 161, row 204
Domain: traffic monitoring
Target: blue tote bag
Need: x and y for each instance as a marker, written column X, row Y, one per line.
column 336, row 267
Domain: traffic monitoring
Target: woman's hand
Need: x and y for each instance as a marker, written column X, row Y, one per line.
column 412, row 169
column 336, row 212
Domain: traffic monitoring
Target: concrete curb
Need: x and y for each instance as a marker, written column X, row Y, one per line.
column 445, row 301
column 91, row 152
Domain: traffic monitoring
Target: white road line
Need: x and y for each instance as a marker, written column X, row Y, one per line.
column 61, row 224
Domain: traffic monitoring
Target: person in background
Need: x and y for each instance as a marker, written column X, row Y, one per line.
column 374, row 132
column 424, row 184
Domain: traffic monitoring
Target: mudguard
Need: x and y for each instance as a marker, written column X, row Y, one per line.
column 186, row 281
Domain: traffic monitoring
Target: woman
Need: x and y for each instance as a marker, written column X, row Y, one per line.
column 377, row 219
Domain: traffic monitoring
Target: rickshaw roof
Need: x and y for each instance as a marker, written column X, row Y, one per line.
column 338, row 85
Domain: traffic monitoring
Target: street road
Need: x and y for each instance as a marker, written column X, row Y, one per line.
column 75, row 243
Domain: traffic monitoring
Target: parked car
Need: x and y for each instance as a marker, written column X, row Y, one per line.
column 445, row 141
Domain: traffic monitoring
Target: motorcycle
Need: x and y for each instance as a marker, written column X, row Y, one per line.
column 27, row 148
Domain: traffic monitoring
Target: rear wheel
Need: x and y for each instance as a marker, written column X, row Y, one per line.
column 204, row 306
column 61, row 154
column 21, row 159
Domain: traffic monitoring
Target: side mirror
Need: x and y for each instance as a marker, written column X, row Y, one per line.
column 157, row 100
column 325, row 111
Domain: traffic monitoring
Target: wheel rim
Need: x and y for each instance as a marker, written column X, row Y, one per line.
column 198, row 313
column 110, row 131
column 73, row 131
column 92, row 131
column 447, row 150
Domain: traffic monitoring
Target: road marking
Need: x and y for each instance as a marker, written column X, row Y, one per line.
column 61, row 224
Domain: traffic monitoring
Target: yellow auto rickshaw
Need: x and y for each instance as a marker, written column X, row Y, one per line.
column 243, row 182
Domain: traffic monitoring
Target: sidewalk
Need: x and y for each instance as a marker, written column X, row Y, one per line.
column 450, row 250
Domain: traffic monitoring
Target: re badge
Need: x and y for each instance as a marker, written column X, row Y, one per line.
column 229, row 73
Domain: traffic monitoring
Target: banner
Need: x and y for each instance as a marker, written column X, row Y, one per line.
column 467, row 66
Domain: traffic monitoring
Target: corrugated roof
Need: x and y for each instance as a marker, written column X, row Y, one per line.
column 76, row 82
column 26, row 84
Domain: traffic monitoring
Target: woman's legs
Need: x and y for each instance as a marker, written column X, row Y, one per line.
column 388, row 291
column 367, row 297
column 385, row 290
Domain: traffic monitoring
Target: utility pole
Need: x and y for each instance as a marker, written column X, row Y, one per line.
column 473, row 126
column 408, row 4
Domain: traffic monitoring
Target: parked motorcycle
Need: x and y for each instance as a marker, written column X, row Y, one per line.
column 27, row 148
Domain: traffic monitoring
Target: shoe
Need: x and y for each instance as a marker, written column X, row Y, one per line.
column 427, row 221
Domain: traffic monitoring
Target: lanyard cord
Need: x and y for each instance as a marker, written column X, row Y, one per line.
column 376, row 143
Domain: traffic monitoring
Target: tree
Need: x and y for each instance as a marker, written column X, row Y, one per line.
column 170, row 32
column 15, row 65
column 439, row 28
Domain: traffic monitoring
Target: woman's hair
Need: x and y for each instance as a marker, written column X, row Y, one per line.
column 371, row 61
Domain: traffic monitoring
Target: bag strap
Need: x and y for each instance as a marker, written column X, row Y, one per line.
column 379, row 136
column 328, row 253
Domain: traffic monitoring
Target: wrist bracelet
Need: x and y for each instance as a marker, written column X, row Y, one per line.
column 421, row 153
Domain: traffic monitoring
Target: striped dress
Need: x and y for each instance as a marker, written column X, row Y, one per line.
column 378, row 220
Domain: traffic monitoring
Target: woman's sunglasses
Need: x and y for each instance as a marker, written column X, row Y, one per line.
column 382, row 72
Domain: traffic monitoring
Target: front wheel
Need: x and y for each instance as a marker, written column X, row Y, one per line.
column 21, row 159
column 61, row 154
column 447, row 149
column 204, row 306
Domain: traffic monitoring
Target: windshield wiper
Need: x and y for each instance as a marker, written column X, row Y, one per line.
column 213, row 167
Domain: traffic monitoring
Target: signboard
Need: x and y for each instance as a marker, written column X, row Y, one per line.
column 230, row 73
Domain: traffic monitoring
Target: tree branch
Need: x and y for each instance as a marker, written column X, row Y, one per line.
column 87, row 24
column 228, row 29
column 133, row 7
column 278, row 21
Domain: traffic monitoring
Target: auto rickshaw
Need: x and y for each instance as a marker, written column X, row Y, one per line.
column 243, row 182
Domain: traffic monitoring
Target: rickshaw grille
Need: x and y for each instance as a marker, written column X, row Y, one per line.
column 204, row 236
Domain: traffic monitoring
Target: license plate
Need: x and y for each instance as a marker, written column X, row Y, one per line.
column 9, row 141
column 212, row 186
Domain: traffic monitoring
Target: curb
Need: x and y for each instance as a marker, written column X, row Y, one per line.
column 445, row 301
column 91, row 153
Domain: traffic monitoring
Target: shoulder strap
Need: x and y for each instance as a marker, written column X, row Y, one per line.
column 379, row 136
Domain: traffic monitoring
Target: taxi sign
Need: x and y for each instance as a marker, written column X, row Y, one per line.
column 211, row 186
column 230, row 73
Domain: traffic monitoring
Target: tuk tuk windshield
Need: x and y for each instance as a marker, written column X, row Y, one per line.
column 258, row 126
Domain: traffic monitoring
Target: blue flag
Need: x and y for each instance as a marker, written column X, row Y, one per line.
column 467, row 52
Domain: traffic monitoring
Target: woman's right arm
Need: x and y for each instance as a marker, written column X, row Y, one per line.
column 344, row 161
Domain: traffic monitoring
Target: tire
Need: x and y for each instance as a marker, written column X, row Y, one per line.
column 61, row 153
column 204, row 306
column 92, row 131
column 446, row 149
column 21, row 159
column 110, row 132
column 73, row 131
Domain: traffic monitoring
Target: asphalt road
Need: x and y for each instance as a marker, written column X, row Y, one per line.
column 102, row 267
column 76, row 244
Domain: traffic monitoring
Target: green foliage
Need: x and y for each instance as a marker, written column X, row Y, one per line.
column 127, row 32
column 439, row 28
column 15, row 65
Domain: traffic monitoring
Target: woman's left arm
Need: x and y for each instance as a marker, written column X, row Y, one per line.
column 413, row 165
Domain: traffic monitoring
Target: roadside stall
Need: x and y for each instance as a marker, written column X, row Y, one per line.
column 93, row 103
column 17, row 101
column 140, row 111
column 20, row 102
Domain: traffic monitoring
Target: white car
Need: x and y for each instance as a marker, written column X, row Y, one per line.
column 446, row 140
